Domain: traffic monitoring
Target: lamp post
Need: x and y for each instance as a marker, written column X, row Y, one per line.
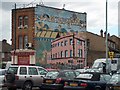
column 106, row 40
column 14, row 34
column 15, row 27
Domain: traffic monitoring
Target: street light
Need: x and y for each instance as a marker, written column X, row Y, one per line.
column 106, row 40
column 14, row 34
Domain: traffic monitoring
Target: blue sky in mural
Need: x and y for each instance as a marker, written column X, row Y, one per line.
column 95, row 10
column 59, row 19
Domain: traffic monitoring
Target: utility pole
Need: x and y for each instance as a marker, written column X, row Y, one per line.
column 73, row 49
column 15, row 27
column 14, row 34
column 73, row 46
column 106, row 41
column 85, row 52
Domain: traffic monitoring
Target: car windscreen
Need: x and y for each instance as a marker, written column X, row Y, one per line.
column 67, row 74
column 97, row 65
column 12, row 70
column 52, row 74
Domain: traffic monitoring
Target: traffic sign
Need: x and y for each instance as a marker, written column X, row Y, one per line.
column 111, row 55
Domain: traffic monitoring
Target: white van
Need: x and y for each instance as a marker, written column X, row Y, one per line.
column 111, row 65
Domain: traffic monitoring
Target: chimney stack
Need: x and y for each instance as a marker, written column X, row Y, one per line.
column 101, row 33
column 108, row 35
column 105, row 34
column 4, row 41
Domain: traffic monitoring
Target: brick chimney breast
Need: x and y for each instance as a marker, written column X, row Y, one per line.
column 108, row 34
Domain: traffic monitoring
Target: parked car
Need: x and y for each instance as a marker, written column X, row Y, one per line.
column 114, row 83
column 79, row 71
column 24, row 77
column 55, row 79
column 88, row 81
column 2, row 76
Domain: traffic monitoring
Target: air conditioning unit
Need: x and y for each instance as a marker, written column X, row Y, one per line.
column 20, row 27
column 26, row 26
column 29, row 45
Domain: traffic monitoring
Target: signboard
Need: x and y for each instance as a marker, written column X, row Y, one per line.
column 23, row 57
column 111, row 55
column 23, row 60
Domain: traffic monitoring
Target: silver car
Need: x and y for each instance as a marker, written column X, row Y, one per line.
column 24, row 77
column 2, row 76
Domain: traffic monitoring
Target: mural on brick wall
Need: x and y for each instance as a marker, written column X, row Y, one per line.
column 59, row 19
column 51, row 23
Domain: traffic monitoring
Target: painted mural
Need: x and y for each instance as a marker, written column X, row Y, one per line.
column 48, row 18
column 51, row 23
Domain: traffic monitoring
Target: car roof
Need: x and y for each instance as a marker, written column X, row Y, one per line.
column 96, row 73
column 50, row 69
column 67, row 70
column 25, row 66
column 3, row 69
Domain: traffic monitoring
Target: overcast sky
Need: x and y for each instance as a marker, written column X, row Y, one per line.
column 95, row 10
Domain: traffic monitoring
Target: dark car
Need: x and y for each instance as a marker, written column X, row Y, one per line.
column 55, row 79
column 114, row 83
column 88, row 81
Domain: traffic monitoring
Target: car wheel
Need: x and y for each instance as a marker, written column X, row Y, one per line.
column 107, row 88
column 98, row 89
column 27, row 86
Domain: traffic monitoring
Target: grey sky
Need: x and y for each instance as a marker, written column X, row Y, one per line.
column 95, row 10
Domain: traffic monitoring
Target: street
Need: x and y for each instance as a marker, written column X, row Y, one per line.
column 35, row 88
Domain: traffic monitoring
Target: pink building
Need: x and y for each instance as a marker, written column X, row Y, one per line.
column 68, row 49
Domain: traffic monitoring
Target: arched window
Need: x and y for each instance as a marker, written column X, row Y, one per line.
column 26, row 22
column 20, row 22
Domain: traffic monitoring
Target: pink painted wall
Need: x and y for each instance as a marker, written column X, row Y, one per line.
column 57, row 49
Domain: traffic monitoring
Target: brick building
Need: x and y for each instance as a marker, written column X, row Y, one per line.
column 5, row 49
column 39, row 25
column 23, row 26
column 68, row 50
column 96, row 46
